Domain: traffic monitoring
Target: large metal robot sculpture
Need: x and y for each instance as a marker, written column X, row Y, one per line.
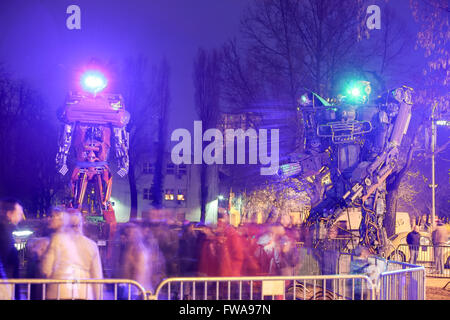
column 91, row 119
column 351, row 147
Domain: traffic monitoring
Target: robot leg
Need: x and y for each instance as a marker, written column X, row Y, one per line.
column 370, row 230
column 108, row 213
column 79, row 185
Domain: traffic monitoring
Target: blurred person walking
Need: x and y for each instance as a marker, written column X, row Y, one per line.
column 439, row 237
column 157, row 259
column 288, row 257
column 71, row 255
column 230, row 250
column 249, row 233
column 11, row 213
column 36, row 248
column 188, row 251
column 135, row 262
column 208, row 261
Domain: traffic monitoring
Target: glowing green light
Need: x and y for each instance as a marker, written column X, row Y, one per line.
column 355, row 92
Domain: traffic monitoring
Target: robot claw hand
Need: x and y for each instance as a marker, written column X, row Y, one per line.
column 122, row 172
column 63, row 169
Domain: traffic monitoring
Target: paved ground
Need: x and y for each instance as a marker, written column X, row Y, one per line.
column 435, row 289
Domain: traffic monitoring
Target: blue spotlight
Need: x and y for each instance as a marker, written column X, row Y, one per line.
column 93, row 81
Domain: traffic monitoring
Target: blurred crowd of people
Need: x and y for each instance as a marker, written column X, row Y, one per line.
column 247, row 250
column 143, row 251
column 148, row 252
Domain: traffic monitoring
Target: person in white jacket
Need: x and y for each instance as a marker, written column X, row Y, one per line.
column 71, row 255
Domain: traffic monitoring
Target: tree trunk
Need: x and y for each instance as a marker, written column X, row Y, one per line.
column 157, row 188
column 158, row 180
column 391, row 209
column 133, row 192
column 203, row 192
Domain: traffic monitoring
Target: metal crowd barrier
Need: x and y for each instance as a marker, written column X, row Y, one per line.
column 321, row 287
column 402, row 281
column 41, row 289
column 427, row 257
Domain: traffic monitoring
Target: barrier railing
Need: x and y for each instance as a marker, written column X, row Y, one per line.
column 322, row 287
column 91, row 289
column 435, row 259
column 402, row 281
column 320, row 274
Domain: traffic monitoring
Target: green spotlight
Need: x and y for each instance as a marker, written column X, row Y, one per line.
column 355, row 92
column 358, row 91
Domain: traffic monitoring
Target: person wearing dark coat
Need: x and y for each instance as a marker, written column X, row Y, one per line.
column 188, row 251
column 413, row 240
column 11, row 213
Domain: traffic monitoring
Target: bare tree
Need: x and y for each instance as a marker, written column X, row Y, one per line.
column 27, row 147
column 147, row 97
column 433, row 20
column 289, row 46
column 161, row 103
column 207, row 79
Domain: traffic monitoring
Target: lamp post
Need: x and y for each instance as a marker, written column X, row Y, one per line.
column 434, row 124
column 433, row 172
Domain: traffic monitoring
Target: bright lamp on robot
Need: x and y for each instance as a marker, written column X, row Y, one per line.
column 93, row 81
column 355, row 92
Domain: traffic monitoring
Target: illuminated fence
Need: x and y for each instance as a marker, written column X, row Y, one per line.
column 321, row 287
column 92, row 289
column 397, row 281
column 427, row 257
column 320, row 275
column 402, row 282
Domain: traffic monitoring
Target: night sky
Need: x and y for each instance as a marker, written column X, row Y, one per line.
column 36, row 45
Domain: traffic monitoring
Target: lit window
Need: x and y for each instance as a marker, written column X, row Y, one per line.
column 180, row 195
column 169, row 195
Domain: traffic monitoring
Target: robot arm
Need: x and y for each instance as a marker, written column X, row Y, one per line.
column 121, row 143
column 386, row 163
column 64, row 147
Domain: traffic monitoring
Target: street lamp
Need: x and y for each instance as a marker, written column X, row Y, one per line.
column 434, row 123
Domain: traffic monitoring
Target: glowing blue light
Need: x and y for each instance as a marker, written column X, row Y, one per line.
column 93, row 81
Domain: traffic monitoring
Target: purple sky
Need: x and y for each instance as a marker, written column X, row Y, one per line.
column 36, row 45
